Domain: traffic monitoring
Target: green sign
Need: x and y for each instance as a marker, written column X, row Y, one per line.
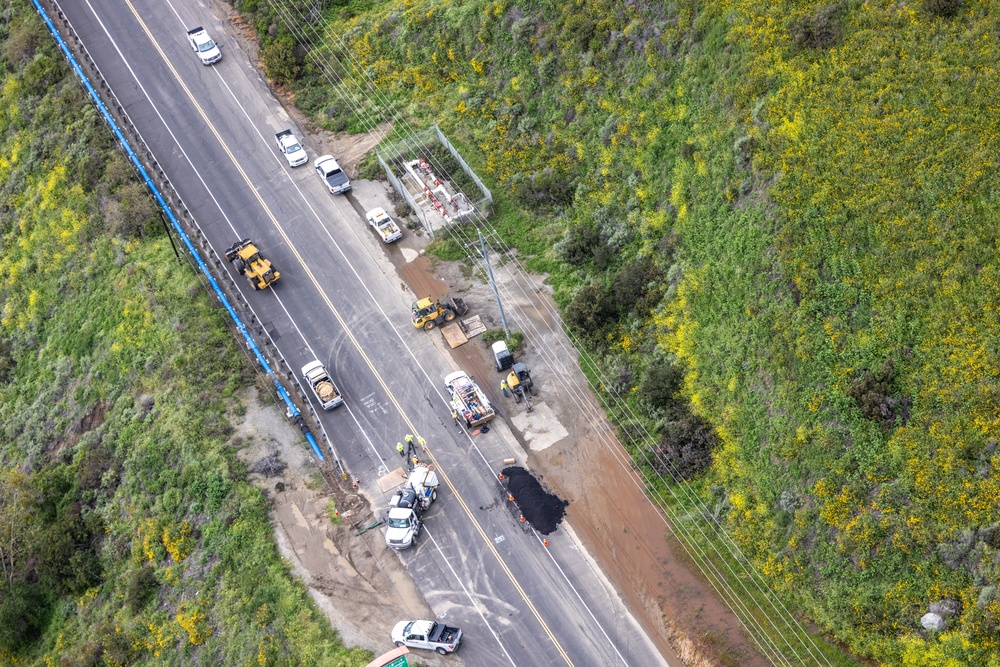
column 401, row 661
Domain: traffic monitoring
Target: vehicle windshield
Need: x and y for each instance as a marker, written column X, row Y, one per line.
column 294, row 148
column 254, row 258
column 206, row 46
column 399, row 523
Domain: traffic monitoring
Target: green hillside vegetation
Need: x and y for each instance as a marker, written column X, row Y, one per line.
column 775, row 224
column 128, row 531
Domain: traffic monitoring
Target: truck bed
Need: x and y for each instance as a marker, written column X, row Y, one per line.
column 443, row 634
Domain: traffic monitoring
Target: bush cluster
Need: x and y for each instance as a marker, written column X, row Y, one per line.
column 876, row 397
column 942, row 8
column 819, row 30
column 685, row 448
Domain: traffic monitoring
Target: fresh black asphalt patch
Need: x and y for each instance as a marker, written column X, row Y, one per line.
column 540, row 508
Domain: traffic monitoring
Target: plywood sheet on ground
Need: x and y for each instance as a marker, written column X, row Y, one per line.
column 454, row 335
column 474, row 326
column 391, row 480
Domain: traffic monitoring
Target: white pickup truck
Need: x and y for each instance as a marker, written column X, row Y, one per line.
column 207, row 50
column 386, row 227
column 325, row 391
column 333, row 176
column 427, row 634
column 290, row 146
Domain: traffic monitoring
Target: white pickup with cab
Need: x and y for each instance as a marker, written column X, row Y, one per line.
column 290, row 146
column 207, row 50
column 386, row 227
column 333, row 176
column 430, row 635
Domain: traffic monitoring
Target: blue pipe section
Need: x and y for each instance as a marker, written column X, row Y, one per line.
column 292, row 409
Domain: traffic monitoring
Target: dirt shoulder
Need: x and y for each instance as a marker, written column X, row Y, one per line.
column 361, row 587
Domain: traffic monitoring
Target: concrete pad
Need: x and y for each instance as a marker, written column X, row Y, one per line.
column 409, row 254
column 540, row 428
column 372, row 194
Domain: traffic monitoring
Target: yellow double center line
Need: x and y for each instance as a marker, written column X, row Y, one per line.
column 343, row 324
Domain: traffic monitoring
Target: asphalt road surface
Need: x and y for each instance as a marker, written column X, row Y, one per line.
column 340, row 300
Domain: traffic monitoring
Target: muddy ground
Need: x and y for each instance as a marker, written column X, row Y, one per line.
column 361, row 586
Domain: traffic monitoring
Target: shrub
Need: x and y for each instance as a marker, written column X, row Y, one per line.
column 514, row 342
column 744, row 148
column 873, row 395
column 24, row 610
column 591, row 310
column 820, row 30
column 141, row 584
column 685, row 448
column 547, row 188
column 942, row 8
column 281, row 60
column 634, row 286
column 24, row 39
column 659, row 389
column 578, row 245
column 137, row 209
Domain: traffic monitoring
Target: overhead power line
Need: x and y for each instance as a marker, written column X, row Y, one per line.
column 775, row 631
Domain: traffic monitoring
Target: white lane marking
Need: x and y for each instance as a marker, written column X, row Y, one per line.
column 472, row 600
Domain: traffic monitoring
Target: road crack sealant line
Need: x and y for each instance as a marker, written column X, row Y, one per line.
column 293, row 410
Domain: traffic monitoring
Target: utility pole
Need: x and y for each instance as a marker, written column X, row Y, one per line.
column 493, row 284
column 166, row 228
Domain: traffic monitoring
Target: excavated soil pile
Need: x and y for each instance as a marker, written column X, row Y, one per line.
column 540, row 508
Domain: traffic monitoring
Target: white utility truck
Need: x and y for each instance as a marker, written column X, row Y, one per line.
column 386, row 227
column 468, row 399
column 408, row 505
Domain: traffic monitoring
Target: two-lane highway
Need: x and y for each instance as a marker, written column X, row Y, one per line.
column 211, row 129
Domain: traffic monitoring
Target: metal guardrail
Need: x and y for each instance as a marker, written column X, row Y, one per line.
column 168, row 198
